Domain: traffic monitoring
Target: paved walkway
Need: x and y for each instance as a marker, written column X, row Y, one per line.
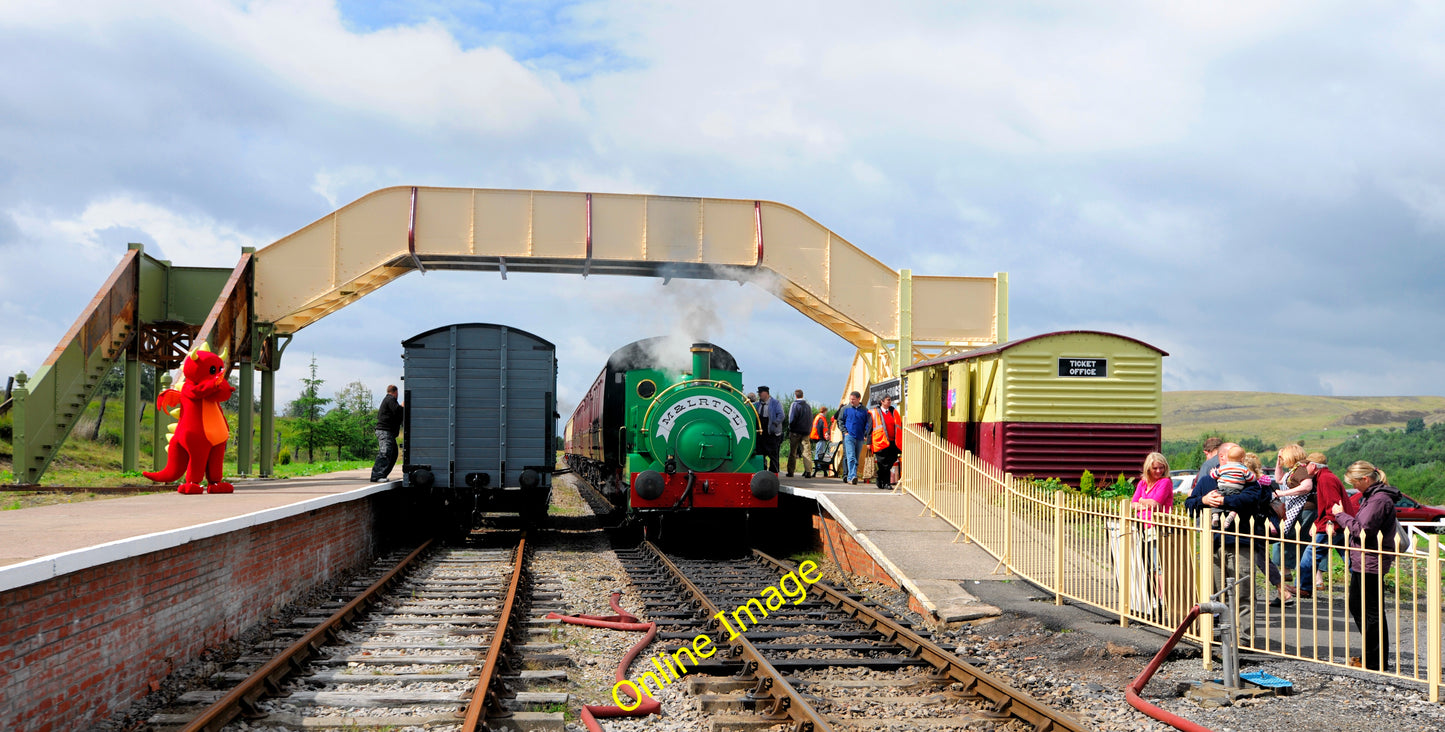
column 46, row 541
column 917, row 550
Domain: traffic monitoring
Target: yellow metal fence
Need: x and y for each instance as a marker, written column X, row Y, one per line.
column 1152, row 569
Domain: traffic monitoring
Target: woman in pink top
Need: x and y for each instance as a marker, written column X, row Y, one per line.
column 1154, row 491
column 1155, row 488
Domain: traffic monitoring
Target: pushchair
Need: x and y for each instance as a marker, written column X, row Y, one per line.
column 826, row 463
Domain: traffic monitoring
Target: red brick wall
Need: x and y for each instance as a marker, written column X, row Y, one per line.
column 855, row 558
column 78, row 648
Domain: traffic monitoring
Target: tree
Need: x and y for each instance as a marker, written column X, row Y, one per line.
column 112, row 385
column 355, row 398
column 335, row 429
column 1415, row 425
column 309, row 407
column 357, row 420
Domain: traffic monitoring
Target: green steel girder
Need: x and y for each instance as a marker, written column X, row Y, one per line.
column 141, row 293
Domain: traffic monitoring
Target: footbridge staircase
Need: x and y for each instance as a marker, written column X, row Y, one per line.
column 146, row 313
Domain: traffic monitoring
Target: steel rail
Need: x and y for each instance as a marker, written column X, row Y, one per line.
column 267, row 679
column 786, row 700
column 1005, row 698
column 474, row 719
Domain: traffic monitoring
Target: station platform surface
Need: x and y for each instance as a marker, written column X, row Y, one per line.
column 922, row 553
column 47, row 541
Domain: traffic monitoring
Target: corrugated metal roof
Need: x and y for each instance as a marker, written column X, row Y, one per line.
column 1000, row 347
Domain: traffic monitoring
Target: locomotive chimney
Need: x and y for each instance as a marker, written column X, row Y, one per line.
column 702, row 361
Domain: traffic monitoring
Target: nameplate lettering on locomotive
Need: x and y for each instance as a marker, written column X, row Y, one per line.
column 735, row 418
column 1083, row 367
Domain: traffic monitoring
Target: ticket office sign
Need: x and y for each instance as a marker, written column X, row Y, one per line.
column 1083, row 367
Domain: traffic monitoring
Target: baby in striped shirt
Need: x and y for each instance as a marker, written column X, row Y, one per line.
column 1231, row 476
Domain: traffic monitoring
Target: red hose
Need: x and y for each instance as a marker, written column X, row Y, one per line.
column 623, row 620
column 1131, row 692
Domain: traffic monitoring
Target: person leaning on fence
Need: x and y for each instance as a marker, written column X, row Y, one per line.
column 1328, row 491
column 1295, row 487
column 820, row 433
column 1372, row 529
column 1229, row 478
column 1153, row 492
column 798, row 424
column 1248, row 540
column 853, row 420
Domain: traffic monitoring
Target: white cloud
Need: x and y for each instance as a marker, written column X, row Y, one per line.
column 193, row 239
column 417, row 75
column 1426, row 198
column 1091, row 151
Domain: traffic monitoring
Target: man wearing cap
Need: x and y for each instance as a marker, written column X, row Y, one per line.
column 770, row 428
column 1328, row 491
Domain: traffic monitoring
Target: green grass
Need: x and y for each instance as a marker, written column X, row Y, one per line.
column 1285, row 418
column 818, row 558
column 85, row 462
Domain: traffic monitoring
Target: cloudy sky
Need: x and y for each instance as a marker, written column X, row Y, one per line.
column 1258, row 189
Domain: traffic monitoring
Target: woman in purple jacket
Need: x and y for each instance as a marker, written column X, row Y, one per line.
column 1372, row 524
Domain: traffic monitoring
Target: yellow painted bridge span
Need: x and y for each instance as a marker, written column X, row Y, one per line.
column 150, row 312
column 890, row 316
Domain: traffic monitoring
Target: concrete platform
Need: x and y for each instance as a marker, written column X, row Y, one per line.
column 40, row 543
column 101, row 600
column 917, row 551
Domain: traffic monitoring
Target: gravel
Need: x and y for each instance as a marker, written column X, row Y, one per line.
column 1086, row 675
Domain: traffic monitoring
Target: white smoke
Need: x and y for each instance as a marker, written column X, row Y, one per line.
column 686, row 310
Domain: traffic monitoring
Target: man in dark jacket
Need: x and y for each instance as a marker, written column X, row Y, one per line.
column 388, row 425
column 1249, row 540
column 770, row 428
column 800, row 423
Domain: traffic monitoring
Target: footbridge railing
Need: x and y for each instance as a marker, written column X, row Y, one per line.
column 148, row 312
column 1293, row 599
column 48, row 403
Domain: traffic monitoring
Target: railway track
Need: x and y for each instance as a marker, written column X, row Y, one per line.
column 830, row 662
column 423, row 644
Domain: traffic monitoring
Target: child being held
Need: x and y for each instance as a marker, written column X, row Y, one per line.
column 1231, row 476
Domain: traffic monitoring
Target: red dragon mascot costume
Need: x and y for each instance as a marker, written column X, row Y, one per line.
column 197, row 445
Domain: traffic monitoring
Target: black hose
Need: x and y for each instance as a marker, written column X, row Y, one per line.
column 687, row 492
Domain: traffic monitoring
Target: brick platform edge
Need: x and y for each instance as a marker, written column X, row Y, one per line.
column 78, row 648
column 854, row 558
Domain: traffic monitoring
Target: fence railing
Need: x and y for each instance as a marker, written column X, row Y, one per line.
column 1295, row 596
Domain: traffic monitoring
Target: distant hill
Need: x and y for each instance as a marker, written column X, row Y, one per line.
column 1321, row 421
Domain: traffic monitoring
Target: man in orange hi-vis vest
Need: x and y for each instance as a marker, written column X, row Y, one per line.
column 821, row 435
column 886, row 428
